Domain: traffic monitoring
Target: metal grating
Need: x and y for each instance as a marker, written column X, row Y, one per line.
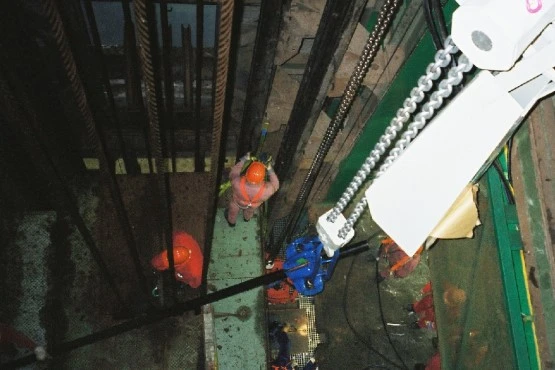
column 307, row 303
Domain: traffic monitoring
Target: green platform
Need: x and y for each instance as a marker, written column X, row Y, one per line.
column 236, row 257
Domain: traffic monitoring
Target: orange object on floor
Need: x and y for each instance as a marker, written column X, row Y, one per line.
column 283, row 291
column 425, row 310
column 188, row 259
column 400, row 264
column 434, row 363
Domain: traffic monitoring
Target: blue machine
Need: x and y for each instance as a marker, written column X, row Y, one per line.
column 307, row 266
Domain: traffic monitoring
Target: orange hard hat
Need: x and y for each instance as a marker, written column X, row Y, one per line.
column 256, row 172
column 180, row 255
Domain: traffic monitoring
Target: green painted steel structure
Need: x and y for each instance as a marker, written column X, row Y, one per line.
column 513, row 274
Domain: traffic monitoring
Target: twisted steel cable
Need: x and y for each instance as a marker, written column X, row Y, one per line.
column 54, row 18
column 146, row 52
column 52, row 13
column 368, row 54
column 445, row 89
column 433, row 72
column 224, row 45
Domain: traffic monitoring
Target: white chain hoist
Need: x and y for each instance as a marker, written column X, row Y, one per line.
column 410, row 194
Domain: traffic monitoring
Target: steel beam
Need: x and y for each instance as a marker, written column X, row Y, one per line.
column 261, row 75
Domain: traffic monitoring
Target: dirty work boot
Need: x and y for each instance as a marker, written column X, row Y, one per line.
column 225, row 215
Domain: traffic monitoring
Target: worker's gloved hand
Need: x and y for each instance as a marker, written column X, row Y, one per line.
column 268, row 160
column 265, row 158
column 246, row 157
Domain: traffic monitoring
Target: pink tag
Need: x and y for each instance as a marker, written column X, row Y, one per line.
column 530, row 6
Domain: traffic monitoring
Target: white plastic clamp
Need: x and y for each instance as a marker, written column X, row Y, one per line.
column 329, row 233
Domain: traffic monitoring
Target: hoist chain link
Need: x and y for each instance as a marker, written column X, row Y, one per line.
column 445, row 89
column 433, row 72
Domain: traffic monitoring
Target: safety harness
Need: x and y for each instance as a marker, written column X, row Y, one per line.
column 256, row 197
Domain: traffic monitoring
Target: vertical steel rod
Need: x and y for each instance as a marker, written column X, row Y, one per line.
column 188, row 75
column 168, row 77
column 133, row 82
column 144, row 14
column 261, row 74
column 199, row 162
column 131, row 165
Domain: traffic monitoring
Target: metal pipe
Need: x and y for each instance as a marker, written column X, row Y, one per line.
column 168, row 77
column 134, row 92
column 153, row 317
column 188, row 76
column 199, row 162
column 370, row 50
column 131, row 165
column 54, row 18
column 147, row 40
column 261, row 74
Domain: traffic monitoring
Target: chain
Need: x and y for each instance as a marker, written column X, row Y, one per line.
column 445, row 89
column 417, row 94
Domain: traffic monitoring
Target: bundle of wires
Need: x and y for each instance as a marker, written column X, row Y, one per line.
column 366, row 341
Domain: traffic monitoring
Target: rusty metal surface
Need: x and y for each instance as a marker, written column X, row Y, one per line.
column 533, row 167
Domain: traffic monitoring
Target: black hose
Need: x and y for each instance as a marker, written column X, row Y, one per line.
column 428, row 16
column 363, row 340
column 506, row 184
column 382, row 316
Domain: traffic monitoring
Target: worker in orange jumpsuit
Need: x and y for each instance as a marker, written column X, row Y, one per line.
column 424, row 309
column 400, row 264
column 249, row 190
column 187, row 258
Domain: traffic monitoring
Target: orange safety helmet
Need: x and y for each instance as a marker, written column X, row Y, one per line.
column 256, row 172
column 180, row 255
